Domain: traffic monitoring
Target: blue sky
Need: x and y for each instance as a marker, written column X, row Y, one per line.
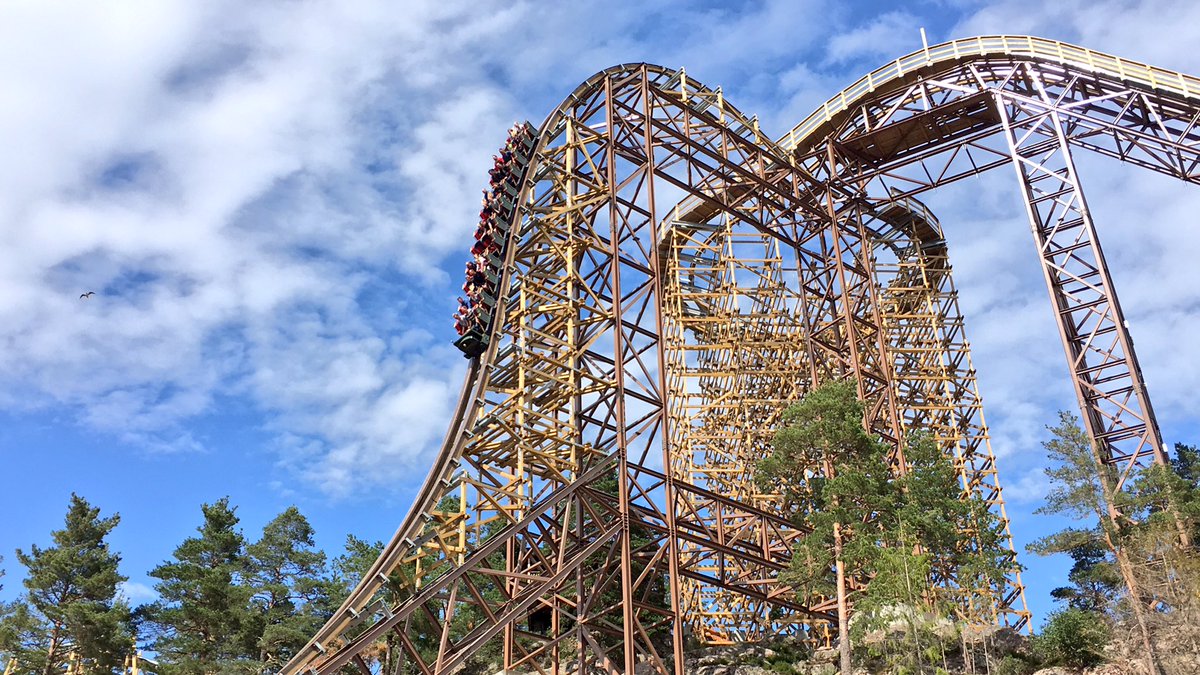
column 270, row 200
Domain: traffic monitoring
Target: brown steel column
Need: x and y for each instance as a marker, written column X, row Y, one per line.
column 628, row 612
column 672, row 542
column 1104, row 368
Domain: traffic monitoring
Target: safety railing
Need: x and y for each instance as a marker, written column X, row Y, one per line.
column 993, row 45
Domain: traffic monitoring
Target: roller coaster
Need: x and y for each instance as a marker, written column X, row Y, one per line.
column 665, row 278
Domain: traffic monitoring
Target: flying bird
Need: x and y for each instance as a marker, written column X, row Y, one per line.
column 87, row 295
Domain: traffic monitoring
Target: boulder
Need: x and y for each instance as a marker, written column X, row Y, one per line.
column 825, row 655
column 1000, row 640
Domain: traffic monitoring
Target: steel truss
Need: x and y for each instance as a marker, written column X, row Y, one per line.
column 672, row 279
column 986, row 102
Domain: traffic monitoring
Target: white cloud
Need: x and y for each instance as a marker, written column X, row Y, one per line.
column 231, row 182
column 1029, row 489
column 263, row 197
column 1160, row 32
column 889, row 36
column 136, row 593
column 234, row 181
column 1145, row 226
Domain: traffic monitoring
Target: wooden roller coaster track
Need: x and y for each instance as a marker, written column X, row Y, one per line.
column 672, row 278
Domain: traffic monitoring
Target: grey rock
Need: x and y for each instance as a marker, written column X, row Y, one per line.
column 827, row 655
column 714, row 670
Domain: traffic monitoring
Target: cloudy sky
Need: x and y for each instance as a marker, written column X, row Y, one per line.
column 269, row 200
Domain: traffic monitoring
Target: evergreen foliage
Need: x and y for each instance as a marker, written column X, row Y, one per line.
column 1167, row 496
column 1075, row 491
column 1076, row 482
column 934, row 526
column 202, row 623
column 1085, row 490
column 224, row 606
column 823, row 459
column 891, row 530
column 1186, row 463
column 424, row 632
column 1073, row 638
column 289, row 592
column 1133, row 553
column 71, row 604
column 350, row 567
column 230, row 606
column 1165, row 503
column 348, row 570
column 1095, row 580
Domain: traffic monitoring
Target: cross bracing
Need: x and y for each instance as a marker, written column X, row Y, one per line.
column 672, row 278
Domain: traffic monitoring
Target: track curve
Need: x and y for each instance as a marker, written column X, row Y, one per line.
column 921, row 63
column 769, row 166
column 449, row 456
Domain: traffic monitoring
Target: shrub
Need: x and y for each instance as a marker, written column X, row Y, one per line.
column 1072, row 637
column 783, row 668
column 1012, row 665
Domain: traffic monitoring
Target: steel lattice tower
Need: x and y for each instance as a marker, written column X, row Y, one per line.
column 671, row 278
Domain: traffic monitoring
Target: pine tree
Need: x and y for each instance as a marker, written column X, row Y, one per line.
column 834, row 477
column 1095, row 580
column 1169, row 495
column 892, row 533
column 287, row 576
column 348, row 570
column 1085, row 489
column 70, row 604
column 933, row 526
column 1162, row 502
column 8, row 630
column 202, row 623
column 1186, row 463
column 20, row 636
column 387, row 653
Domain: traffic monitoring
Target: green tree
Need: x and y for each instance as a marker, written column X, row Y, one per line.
column 835, row 479
column 387, row 653
column 938, row 550
column 5, row 610
column 957, row 533
column 1162, row 503
column 287, row 577
column 20, row 637
column 425, row 633
column 350, row 567
column 1168, row 495
column 1084, row 488
column 1186, row 463
column 70, row 604
column 1073, row 638
column 348, row 570
column 202, row 623
column 1094, row 578
column 903, row 535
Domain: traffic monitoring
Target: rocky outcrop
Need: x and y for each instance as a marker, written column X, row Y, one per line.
column 965, row 650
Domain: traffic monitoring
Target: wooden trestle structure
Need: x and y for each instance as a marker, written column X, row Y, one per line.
column 672, row 278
